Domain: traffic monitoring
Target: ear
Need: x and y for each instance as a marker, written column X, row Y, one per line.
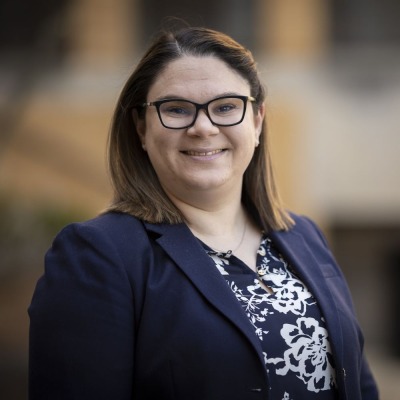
column 258, row 121
column 140, row 124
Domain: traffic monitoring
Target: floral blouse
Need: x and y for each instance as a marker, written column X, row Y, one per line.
column 287, row 321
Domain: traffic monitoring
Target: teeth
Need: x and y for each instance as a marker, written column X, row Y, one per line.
column 208, row 153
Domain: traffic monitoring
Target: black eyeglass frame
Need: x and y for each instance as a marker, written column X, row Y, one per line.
column 199, row 107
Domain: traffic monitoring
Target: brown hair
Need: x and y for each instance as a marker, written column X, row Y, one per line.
column 137, row 190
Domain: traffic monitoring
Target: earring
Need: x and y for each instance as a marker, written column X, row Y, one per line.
column 144, row 147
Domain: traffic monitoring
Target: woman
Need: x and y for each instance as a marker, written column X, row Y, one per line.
column 196, row 283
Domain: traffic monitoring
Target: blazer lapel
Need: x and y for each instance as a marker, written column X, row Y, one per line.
column 186, row 251
column 181, row 245
column 296, row 251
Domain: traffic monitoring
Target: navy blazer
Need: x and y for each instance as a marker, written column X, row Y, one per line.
column 132, row 310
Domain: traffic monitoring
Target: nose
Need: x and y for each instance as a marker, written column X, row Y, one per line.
column 202, row 125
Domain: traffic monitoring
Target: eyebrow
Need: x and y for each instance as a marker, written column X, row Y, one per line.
column 173, row 96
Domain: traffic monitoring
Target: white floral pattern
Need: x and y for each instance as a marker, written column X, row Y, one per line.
column 252, row 305
column 288, row 322
column 220, row 262
column 307, row 355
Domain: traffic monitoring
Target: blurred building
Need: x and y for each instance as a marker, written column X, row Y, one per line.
column 332, row 69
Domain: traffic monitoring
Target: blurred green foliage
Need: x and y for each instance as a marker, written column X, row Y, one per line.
column 26, row 233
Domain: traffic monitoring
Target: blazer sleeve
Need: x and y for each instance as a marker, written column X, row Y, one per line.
column 368, row 387
column 81, row 321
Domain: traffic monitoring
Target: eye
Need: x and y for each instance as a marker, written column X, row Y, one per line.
column 177, row 109
column 226, row 106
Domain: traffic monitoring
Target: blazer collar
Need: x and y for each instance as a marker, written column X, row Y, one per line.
column 186, row 251
column 188, row 254
column 300, row 256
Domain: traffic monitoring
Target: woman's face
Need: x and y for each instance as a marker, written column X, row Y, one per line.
column 204, row 156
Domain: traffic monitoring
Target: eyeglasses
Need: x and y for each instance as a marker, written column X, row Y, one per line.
column 222, row 111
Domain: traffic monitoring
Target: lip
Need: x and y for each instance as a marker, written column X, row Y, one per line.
column 204, row 154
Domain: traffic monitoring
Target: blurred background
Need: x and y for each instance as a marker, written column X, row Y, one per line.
column 332, row 69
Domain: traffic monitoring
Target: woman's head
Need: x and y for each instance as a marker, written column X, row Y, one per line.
column 136, row 184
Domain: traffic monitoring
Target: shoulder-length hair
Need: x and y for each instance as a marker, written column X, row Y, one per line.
column 137, row 190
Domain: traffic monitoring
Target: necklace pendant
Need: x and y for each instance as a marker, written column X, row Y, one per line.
column 261, row 272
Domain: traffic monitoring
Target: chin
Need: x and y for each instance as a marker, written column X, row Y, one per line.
column 206, row 184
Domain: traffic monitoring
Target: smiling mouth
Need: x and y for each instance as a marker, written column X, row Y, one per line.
column 203, row 153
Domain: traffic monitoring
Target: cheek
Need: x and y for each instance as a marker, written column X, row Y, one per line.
column 159, row 144
column 250, row 138
column 248, row 146
column 159, row 150
column 153, row 137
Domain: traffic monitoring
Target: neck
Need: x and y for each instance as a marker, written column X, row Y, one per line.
column 224, row 222
column 208, row 216
column 217, row 217
column 224, row 226
column 202, row 206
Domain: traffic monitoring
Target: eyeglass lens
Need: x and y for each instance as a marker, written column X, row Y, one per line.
column 223, row 111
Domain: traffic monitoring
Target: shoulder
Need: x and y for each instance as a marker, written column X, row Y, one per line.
column 111, row 222
column 109, row 233
column 311, row 235
column 110, row 248
column 314, row 239
column 307, row 228
column 114, row 226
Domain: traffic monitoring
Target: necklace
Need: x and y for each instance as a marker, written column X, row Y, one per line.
column 230, row 252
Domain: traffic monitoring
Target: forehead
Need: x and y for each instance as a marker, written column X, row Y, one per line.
column 197, row 78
